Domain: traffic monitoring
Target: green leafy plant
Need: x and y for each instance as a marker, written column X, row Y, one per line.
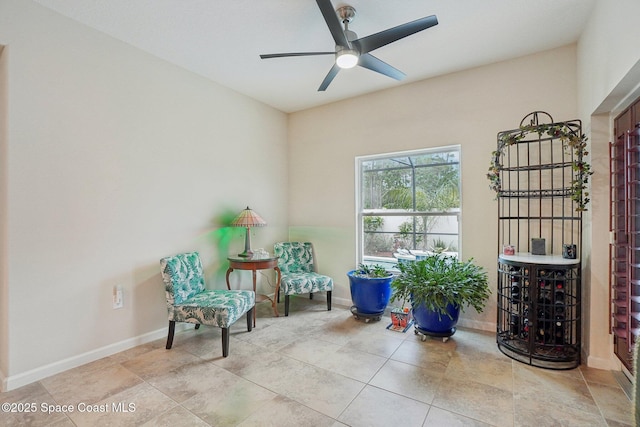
column 407, row 235
column 375, row 243
column 440, row 280
column 371, row 271
column 439, row 246
column 373, row 223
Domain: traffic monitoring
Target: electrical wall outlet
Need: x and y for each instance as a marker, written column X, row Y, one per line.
column 118, row 299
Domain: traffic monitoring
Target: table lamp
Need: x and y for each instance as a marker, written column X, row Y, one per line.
column 248, row 218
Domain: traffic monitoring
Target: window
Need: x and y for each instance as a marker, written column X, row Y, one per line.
column 407, row 202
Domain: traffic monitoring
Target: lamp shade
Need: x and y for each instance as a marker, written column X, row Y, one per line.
column 248, row 218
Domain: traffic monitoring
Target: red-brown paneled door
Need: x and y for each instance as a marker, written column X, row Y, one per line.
column 624, row 224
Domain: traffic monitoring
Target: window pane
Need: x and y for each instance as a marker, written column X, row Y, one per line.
column 384, row 235
column 409, row 201
column 423, row 183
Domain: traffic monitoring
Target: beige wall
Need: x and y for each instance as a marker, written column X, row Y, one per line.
column 608, row 51
column 4, row 291
column 466, row 108
column 115, row 159
column 608, row 68
column 596, row 265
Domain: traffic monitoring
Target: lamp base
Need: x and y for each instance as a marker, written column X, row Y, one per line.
column 246, row 254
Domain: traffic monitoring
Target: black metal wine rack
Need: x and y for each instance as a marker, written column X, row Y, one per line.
column 534, row 174
column 539, row 313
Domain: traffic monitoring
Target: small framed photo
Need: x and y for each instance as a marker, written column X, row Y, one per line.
column 508, row 249
column 569, row 251
column 538, row 247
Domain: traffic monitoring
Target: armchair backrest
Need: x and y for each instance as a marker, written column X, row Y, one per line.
column 183, row 277
column 294, row 257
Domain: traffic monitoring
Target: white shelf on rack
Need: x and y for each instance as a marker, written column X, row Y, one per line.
column 527, row 257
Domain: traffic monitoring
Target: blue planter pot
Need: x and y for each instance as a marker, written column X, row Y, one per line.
column 370, row 295
column 431, row 323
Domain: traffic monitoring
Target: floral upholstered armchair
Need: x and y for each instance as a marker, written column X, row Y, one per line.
column 189, row 301
column 299, row 276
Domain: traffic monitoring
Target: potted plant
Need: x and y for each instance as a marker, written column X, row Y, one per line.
column 439, row 287
column 370, row 290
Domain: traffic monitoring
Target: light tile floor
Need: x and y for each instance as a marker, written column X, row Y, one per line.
column 319, row 368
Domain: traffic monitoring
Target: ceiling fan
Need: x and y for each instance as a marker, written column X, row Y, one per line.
column 351, row 51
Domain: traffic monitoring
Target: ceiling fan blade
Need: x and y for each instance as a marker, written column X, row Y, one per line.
column 374, row 64
column 374, row 41
column 284, row 55
column 329, row 78
column 333, row 23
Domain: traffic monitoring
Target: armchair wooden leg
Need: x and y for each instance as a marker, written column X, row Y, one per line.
column 225, row 342
column 286, row 305
column 172, row 329
column 328, row 300
column 198, row 326
column 310, row 295
column 250, row 319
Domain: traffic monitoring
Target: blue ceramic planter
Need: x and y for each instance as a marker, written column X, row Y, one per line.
column 370, row 295
column 430, row 322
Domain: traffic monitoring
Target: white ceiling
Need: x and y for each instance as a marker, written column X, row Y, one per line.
column 221, row 39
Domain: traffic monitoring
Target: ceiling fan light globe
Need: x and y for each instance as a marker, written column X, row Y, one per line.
column 347, row 58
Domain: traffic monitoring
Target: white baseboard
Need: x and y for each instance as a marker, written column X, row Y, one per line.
column 465, row 323
column 3, row 382
column 343, row 302
column 15, row 381
column 474, row 324
column 600, row 363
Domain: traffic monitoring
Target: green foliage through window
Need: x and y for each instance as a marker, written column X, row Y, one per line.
column 410, row 201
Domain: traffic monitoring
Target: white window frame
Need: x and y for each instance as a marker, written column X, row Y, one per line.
column 358, row 202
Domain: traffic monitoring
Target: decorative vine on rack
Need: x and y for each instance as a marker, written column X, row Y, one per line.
column 572, row 143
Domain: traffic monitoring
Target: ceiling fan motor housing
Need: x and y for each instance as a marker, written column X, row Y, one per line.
column 346, row 14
